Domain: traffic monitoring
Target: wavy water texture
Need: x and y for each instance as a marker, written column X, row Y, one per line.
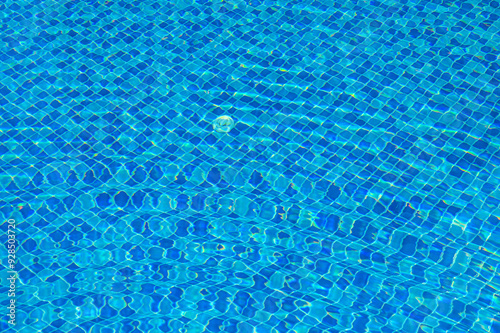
column 357, row 192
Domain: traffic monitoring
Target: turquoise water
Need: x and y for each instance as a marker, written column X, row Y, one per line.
column 356, row 192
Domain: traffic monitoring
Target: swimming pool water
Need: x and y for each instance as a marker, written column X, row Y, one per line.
column 357, row 192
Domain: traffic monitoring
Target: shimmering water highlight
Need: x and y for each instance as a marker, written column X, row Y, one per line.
column 356, row 189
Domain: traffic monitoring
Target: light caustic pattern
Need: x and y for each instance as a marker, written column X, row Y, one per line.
column 355, row 190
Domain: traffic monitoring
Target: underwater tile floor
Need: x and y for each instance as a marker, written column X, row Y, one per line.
column 351, row 187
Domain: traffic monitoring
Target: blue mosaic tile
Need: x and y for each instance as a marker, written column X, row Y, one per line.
column 251, row 166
